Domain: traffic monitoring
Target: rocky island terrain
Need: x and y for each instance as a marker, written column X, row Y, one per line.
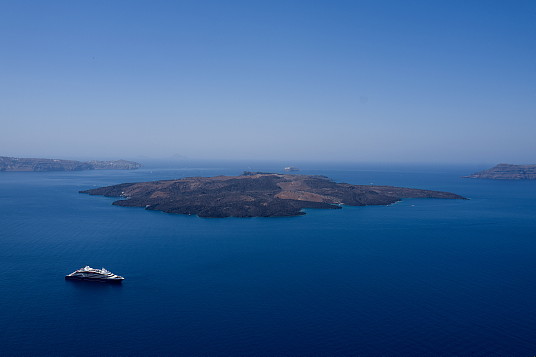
column 507, row 172
column 255, row 194
column 30, row 164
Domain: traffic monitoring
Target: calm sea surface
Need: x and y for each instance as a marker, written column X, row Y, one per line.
column 423, row 277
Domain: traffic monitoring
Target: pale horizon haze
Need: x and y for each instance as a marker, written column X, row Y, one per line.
column 357, row 81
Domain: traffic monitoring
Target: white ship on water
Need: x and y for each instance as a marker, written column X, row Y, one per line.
column 90, row 274
column 291, row 168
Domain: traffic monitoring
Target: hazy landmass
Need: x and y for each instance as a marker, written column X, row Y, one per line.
column 30, row 164
column 115, row 165
column 507, row 172
column 255, row 195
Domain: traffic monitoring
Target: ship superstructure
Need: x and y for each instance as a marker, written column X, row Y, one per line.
column 91, row 274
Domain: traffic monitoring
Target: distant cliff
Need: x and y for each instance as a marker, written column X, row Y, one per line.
column 507, row 172
column 114, row 165
column 255, row 194
column 30, row 164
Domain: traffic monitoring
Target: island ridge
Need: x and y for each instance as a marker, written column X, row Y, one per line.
column 507, row 172
column 30, row 164
column 255, row 194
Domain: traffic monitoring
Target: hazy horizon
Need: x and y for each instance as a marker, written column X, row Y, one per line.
column 280, row 163
column 340, row 81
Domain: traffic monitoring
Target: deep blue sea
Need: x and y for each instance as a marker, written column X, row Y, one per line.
column 422, row 277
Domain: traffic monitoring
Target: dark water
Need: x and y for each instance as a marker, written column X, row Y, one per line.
column 421, row 277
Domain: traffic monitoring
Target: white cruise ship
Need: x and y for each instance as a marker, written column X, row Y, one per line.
column 88, row 273
column 291, row 168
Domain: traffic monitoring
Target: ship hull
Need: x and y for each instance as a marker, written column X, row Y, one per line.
column 100, row 280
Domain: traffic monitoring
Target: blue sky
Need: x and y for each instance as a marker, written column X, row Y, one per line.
column 387, row 81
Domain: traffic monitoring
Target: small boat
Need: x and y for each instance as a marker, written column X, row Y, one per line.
column 291, row 168
column 90, row 274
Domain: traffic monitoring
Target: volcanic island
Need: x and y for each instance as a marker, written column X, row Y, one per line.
column 507, row 172
column 40, row 165
column 255, row 194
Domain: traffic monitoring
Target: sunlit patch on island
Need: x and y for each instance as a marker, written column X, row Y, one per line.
column 255, row 194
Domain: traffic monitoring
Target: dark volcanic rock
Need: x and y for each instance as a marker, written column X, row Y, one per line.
column 30, row 164
column 507, row 172
column 255, row 195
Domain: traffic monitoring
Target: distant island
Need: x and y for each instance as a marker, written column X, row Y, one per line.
column 507, row 172
column 29, row 164
column 255, row 194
